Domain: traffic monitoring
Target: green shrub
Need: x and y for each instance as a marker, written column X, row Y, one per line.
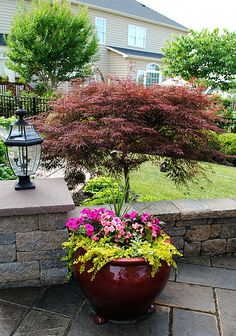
column 101, row 189
column 5, row 172
column 98, row 184
column 228, row 142
column 5, row 122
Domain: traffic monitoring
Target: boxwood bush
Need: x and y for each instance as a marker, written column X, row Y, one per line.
column 228, row 142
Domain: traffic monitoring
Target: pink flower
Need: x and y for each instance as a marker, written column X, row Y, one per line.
column 144, row 217
column 119, row 227
column 111, row 228
column 107, row 230
column 72, row 224
column 94, row 238
column 123, row 223
column 135, row 226
column 133, row 214
column 89, row 230
column 128, row 235
column 156, row 230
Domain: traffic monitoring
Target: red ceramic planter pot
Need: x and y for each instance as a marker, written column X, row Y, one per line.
column 123, row 288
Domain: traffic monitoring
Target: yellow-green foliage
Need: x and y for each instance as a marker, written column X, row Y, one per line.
column 103, row 251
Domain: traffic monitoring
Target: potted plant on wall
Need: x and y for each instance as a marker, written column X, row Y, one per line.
column 122, row 260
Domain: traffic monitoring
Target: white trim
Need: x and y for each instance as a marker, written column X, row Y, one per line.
column 118, row 52
column 144, row 57
column 105, row 28
column 76, row 2
column 136, row 36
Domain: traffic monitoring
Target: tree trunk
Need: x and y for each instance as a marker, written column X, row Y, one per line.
column 127, row 182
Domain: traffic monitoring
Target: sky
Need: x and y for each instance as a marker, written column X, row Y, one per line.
column 198, row 14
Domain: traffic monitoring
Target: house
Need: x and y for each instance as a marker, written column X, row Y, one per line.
column 130, row 35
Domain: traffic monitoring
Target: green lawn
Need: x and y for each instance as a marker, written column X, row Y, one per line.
column 151, row 185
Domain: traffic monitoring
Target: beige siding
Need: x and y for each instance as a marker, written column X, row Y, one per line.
column 117, row 31
column 117, row 65
column 117, row 35
column 102, row 63
column 8, row 10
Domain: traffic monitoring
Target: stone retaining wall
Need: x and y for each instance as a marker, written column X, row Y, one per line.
column 32, row 229
column 199, row 227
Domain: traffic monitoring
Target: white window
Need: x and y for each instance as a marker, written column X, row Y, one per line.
column 137, row 36
column 151, row 76
column 100, row 25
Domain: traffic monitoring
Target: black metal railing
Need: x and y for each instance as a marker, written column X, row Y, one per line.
column 33, row 105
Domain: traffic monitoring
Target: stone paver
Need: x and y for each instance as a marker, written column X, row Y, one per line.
column 156, row 325
column 224, row 262
column 207, row 276
column 203, row 260
column 227, row 310
column 22, row 296
column 187, row 296
column 63, row 299
column 188, row 323
column 198, row 301
column 40, row 323
column 9, row 318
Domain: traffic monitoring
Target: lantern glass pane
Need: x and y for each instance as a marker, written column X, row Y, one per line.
column 34, row 154
column 18, row 160
column 23, row 133
column 17, row 133
column 30, row 133
column 24, row 160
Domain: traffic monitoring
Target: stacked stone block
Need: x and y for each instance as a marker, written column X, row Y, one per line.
column 212, row 236
column 32, row 230
column 30, row 250
column 198, row 227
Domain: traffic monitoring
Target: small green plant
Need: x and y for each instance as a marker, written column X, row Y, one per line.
column 103, row 190
column 228, row 142
column 5, row 172
column 99, row 190
column 5, row 122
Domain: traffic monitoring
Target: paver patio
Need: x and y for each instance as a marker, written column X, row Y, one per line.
column 199, row 300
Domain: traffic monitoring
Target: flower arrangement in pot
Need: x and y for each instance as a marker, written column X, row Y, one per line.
column 121, row 261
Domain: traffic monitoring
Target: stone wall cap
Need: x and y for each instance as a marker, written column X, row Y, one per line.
column 49, row 196
column 192, row 208
column 165, row 209
column 181, row 209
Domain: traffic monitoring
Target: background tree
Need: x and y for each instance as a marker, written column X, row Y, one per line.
column 205, row 55
column 50, row 42
column 120, row 125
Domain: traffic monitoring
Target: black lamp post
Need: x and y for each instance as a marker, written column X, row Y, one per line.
column 23, row 150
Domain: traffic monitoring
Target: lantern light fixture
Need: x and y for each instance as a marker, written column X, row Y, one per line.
column 23, row 150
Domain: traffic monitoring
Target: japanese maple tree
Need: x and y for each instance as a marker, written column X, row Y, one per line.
column 118, row 126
